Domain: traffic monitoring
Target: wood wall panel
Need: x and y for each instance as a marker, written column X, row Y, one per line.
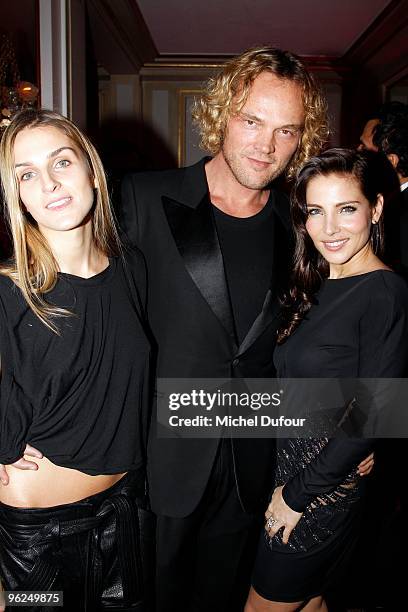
column 375, row 61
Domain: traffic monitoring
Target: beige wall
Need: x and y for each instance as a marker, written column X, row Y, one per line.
column 161, row 98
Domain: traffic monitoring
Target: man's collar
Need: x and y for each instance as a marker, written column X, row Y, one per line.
column 194, row 185
column 194, row 188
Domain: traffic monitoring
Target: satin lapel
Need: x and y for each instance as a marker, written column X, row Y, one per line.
column 271, row 308
column 270, row 312
column 196, row 238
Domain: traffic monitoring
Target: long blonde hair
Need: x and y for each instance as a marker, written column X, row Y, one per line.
column 227, row 92
column 33, row 267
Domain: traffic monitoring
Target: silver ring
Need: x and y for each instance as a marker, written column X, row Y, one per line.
column 271, row 522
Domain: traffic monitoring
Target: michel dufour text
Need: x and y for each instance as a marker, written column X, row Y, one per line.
column 211, row 401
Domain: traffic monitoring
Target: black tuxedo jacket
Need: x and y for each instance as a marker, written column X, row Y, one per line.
column 168, row 215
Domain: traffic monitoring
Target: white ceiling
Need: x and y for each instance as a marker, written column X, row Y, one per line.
column 216, row 27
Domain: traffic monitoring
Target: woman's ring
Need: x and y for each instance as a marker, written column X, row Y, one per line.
column 271, row 522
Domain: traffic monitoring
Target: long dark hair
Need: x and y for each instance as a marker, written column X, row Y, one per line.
column 310, row 267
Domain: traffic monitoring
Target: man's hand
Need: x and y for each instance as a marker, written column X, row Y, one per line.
column 279, row 515
column 21, row 464
column 365, row 467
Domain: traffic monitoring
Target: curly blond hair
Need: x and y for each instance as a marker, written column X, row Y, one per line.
column 226, row 93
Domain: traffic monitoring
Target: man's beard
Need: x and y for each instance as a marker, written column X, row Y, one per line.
column 249, row 179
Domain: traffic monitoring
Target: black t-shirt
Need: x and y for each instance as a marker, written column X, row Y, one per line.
column 80, row 397
column 247, row 250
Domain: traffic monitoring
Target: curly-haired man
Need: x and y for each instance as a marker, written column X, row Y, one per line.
column 215, row 238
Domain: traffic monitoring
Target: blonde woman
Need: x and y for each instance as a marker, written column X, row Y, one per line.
column 73, row 388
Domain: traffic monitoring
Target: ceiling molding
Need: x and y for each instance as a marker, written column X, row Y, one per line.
column 214, row 27
column 130, row 38
column 125, row 23
column 316, row 63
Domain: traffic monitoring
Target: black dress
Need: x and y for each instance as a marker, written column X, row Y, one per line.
column 356, row 329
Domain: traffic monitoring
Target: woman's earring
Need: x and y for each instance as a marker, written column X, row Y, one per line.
column 375, row 236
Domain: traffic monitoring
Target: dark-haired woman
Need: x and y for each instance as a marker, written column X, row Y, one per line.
column 346, row 317
column 74, row 373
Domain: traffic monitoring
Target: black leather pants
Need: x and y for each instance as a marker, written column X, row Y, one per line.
column 91, row 549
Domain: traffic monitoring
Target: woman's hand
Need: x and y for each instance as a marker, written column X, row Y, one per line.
column 279, row 515
column 365, row 467
column 21, row 464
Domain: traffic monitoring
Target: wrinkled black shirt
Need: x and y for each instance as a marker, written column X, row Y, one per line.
column 79, row 397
